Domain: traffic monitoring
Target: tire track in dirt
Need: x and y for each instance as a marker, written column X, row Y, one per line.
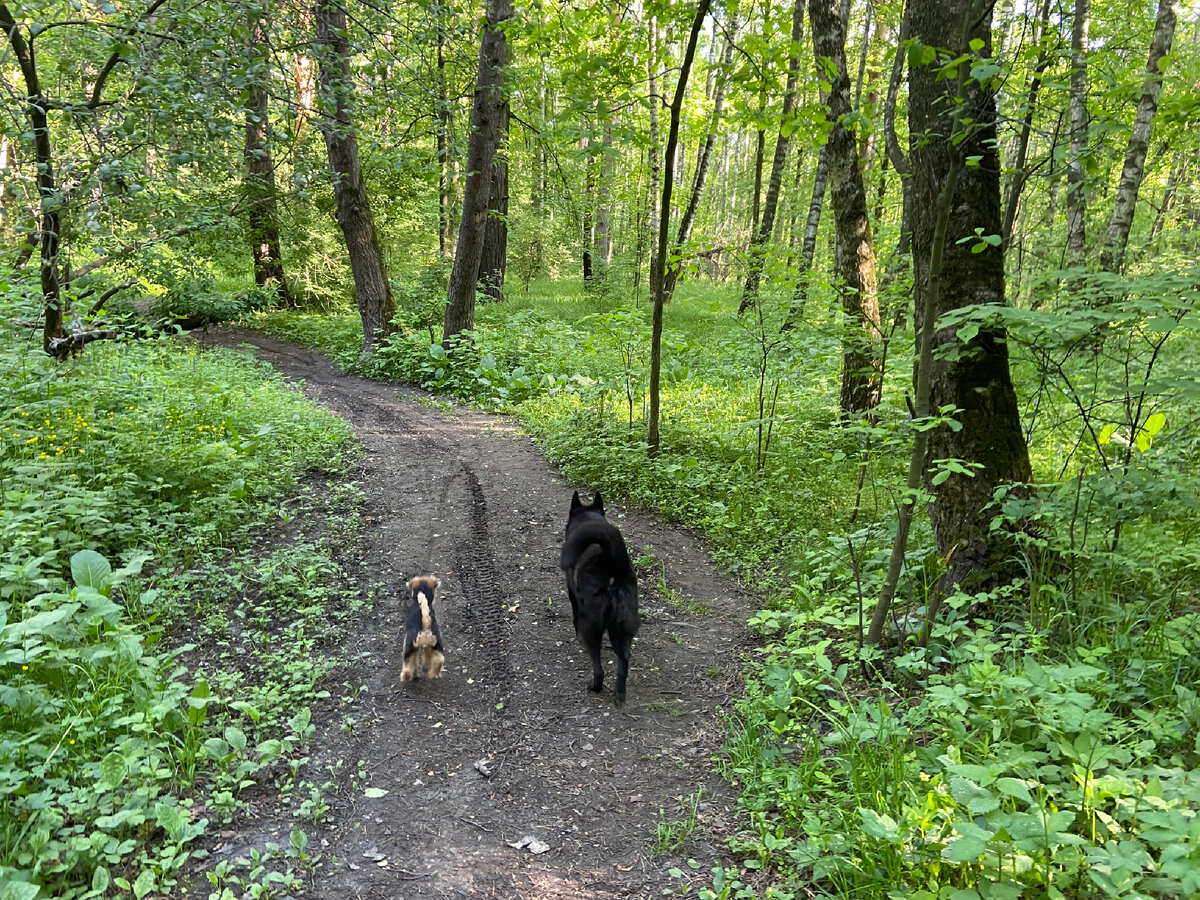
column 463, row 495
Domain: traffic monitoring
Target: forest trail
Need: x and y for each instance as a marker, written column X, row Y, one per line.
column 464, row 495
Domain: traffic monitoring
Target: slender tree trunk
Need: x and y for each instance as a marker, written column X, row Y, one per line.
column 973, row 377
column 1178, row 168
column 1112, row 258
column 303, row 80
column 603, row 238
column 1076, row 186
column 762, row 240
column 895, row 154
column 654, row 164
column 490, row 108
column 689, row 214
column 808, row 248
column 37, row 108
column 861, row 365
column 664, row 227
column 494, row 260
column 1020, row 175
column 262, row 214
column 589, row 206
column 442, row 114
column 372, row 290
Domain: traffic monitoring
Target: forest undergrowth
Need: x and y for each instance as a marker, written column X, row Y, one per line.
column 159, row 657
column 1046, row 739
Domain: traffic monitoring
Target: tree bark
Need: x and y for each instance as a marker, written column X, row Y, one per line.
column 262, row 214
column 37, row 108
column 373, row 292
column 442, row 114
column 892, row 144
column 602, row 246
column 1112, row 258
column 1020, row 175
column 973, row 377
column 1076, row 186
column 689, row 214
column 655, row 163
column 861, row 365
column 489, row 109
column 762, row 239
column 493, row 262
column 664, row 228
column 808, row 248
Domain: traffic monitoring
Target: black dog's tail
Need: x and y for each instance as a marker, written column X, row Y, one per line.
column 620, row 594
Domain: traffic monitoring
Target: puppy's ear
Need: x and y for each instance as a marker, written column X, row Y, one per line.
column 410, row 583
column 575, row 501
column 598, row 504
column 437, row 582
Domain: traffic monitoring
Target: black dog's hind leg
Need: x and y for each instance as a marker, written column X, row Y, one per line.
column 622, row 645
column 592, row 638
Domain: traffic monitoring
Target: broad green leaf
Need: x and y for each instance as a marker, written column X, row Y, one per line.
column 1014, row 787
column 880, row 826
column 18, row 890
column 144, row 884
column 1155, row 423
column 113, row 770
column 236, row 738
column 965, row 849
column 1107, row 432
column 90, row 569
column 375, row 793
column 101, row 879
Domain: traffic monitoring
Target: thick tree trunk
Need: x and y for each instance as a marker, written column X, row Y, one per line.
column 861, row 365
column 689, row 214
column 373, row 292
column 262, row 214
column 494, row 260
column 1076, row 188
column 487, row 115
column 664, row 227
column 1112, row 258
column 972, row 378
column 762, row 239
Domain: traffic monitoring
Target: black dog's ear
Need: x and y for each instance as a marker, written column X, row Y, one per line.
column 598, row 503
column 575, row 501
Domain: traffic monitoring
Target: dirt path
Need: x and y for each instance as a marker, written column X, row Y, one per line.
column 464, row 495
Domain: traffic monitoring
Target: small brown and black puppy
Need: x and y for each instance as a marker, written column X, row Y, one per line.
column 602, row 586
column 422, row 640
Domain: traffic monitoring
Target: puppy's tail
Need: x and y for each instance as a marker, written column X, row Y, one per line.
column 423, row 587
column 425, row 638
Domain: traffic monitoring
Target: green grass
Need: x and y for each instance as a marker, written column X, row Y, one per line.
column 1045, row 742
column 126, row 477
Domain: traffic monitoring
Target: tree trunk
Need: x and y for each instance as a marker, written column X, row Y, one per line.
column 602, row 245
column 689, row 213
column 37, row 108
column 302, row 80
column 895, row 154
column 655, row 164
column 664, row 228
column 808, row 248
column 442, row 114
column 372, row 290
column 495, row 239
column 1020, row 175
column 1076, row 189
column 1112, row 258
column 489, row 110
column 973, row 378
column 762, row 239
column 1178, row 170
column 262, row 214
column 861, row 365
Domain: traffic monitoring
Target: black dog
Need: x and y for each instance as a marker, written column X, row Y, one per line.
column 422, row 639
column 602, row 587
